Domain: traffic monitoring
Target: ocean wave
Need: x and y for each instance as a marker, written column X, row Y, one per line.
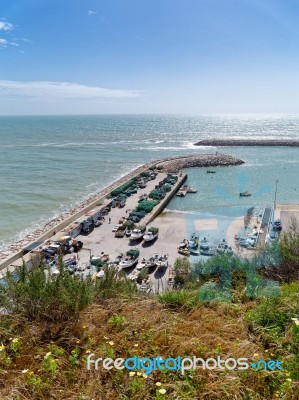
column 63, row 208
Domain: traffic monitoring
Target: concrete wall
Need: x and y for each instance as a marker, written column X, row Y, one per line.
column 160, row 207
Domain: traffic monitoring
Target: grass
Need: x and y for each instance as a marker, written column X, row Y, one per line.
column 168, row 326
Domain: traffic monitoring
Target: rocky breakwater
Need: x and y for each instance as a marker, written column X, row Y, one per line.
column 249, row 142
column 200, row 160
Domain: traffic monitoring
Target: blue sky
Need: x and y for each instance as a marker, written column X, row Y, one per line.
column 149, row 56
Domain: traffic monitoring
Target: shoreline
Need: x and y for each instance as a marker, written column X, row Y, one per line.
column 248, row 142
column 15, row 250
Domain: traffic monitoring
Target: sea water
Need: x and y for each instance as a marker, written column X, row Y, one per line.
column 50, row 163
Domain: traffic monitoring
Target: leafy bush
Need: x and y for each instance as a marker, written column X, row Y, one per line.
column 179, row 298
column 38, row 295
column 114, row 284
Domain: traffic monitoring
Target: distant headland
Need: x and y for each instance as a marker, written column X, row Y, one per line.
column 248, row 142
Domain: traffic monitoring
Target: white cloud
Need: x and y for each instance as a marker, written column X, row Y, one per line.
column 14, row 44
column 91, row 12
column 3, row 42
column 5, row 26
column 45, row 89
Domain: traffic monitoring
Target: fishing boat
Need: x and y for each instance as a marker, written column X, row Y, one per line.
column 189, row 189
column 162, row 261
column 245, row 194
column 223, row 247
column 137, row 234
column 151, row 234
column 193, row 242
column 141, row 264
column 210, row 171
column 194, row 252
column 204, row 244
column 151, row 262
column 208, row 252
column 130, row 259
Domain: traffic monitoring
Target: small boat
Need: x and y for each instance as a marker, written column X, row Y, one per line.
column 162, row 262
column 223, row 247
column 204, row 244
column 184, row 251
column 130, row 259
column 245, row 194
column 209, row 171
column 207, row 252
column 141, row 265
column 188, row 189
column 151, row 234
column 194, row 252
column 151, row 262
column 184, row 244
column 137, row 234
column 193, row 242
column 181, row 193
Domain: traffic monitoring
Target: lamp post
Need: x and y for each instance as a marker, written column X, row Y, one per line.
column 276, row 182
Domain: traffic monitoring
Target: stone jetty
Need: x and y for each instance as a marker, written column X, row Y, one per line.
column 200, row 160
column 248, row 142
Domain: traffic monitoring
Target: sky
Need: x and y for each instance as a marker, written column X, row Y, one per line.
column 149, row 56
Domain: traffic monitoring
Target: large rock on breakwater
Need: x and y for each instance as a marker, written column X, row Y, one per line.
column 249, row 142
column 200, row 160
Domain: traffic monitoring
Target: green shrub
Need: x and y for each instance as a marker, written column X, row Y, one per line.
column 114, row 284
column 179, row 298
column 38, row 295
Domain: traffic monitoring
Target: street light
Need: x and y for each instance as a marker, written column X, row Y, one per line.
column 276, row 182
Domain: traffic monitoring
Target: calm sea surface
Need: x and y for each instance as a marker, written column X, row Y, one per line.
column 50, row 163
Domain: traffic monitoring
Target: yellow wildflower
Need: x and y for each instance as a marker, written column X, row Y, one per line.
column 139, row 373
column 88, row 351
column 111, row 343
column 289, row 380
column 48, row 354
column 136, row 345
column 2, row 347
column 158, row 383
column 256, row 355
column 25, row 371
column 145, row 376
column 132, row 373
